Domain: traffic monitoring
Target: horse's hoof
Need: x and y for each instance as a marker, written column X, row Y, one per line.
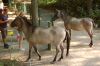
column 39, row 59
column 90, row 45
column 60, row 59
column 52, row 62
column 67, row 55
column 27, row 60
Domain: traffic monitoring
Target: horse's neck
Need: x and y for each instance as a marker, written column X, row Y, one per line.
column 28, row 30
column 67, row 19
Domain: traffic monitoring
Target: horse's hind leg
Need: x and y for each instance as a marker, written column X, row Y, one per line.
column 90, row 33
column 35, row 48
column 57, row 51
column 91, row 37
column 62, row 51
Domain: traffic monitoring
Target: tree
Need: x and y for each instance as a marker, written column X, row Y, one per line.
column 88, row 6
column 34, row 11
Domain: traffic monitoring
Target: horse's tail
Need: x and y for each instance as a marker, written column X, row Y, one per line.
column 94, row 24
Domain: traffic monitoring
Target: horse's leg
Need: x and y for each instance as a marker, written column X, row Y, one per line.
column 90, row 33
column 35, row 48
column 91, row 37
column 29, row 56
column 57, row 51
column 67, row 43
column 62, row 51
column 70, row 33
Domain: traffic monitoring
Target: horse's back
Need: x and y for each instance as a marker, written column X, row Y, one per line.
column 48, row 35
column 80, row 23
column 75, row 20
column 75, row 24
column 87, row 23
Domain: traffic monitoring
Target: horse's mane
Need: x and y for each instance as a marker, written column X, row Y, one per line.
column 29, row 24
column 26, row 20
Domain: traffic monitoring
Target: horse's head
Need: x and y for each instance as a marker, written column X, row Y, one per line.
column 58, row 14
column 18, row 22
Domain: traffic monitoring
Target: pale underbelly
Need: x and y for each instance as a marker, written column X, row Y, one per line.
column 76, row 27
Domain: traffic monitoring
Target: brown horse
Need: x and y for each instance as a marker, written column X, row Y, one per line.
column 38, row 35
column 77, row 24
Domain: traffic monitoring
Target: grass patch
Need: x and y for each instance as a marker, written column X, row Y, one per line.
column 8, row 62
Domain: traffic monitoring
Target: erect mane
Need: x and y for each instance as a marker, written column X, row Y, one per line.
column 26, row 20
column 29, row 22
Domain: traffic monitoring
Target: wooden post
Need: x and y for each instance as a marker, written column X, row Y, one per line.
column 39, row 17
column 34, row 11
column 34, row 15
column 49, row 45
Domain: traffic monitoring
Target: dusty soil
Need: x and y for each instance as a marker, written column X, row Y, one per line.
column 80, row 53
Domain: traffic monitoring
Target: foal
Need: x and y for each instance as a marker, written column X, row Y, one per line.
column 37, row 35
column 77, row 24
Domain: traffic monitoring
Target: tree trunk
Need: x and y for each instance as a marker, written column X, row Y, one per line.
column 34, row 11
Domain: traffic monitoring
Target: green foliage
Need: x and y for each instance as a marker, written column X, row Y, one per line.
column 95, row 13
column 8, row 62
column 46, row 2
column 96, row 16
column 1, row 64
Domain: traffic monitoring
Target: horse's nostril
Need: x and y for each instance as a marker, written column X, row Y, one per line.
column 16, row 27
column 11, row 25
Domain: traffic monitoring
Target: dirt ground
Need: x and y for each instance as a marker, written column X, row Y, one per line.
column 80, row 53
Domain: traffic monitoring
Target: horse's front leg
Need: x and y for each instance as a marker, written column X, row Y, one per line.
column 29, row 56
column 35, row 48
column 67, row 42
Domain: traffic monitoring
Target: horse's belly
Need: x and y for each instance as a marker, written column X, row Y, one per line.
column 77, row 27
column 42, row 39
column 42, row 42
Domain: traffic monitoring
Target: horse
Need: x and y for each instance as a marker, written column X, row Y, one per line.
column 37, row 35
column 77, row 24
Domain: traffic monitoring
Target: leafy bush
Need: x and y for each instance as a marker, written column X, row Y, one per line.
column 96, row 16
column 8, row 62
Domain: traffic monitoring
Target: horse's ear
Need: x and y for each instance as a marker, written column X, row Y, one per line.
column 62, row 12
column 58, row 11
column 21, row 14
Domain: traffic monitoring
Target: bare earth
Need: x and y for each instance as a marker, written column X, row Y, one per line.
column 80, row 53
